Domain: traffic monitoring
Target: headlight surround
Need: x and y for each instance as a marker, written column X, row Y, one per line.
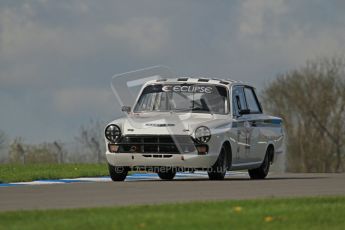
column 112, row 133
column 202, row 134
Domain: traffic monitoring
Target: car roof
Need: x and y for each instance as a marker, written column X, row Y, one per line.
column 215, row 81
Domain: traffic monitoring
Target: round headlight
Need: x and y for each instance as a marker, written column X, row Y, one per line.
column 112, row 133
column 202, row 134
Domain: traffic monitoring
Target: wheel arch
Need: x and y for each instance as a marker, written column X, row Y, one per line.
column 270, row 151
column 228, row 149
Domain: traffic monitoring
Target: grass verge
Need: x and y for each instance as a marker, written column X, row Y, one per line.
column 30, row 172
column 299, row 213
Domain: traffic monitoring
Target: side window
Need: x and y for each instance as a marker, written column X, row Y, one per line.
column 238, row 101
column 252, row 101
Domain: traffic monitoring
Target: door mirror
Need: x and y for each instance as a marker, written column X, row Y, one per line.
column 126, row 109
column 244, row 111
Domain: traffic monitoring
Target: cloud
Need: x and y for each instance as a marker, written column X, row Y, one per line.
column 39, row 54
column 73, row 101
column 275, row 36
column 57, row 57
column 145, row 36
column 256, row 16
column 20, row 36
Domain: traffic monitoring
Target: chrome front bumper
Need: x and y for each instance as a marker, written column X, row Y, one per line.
column 153, row 159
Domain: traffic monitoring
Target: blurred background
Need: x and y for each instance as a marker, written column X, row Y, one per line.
column 57, row 59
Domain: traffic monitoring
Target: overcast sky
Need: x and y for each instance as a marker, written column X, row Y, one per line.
column 57, row 57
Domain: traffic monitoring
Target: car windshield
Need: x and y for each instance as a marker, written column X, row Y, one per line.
column 196, row 98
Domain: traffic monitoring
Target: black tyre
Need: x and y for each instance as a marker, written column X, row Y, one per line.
column 218, row 170
column 262, row 171
column 117, row 173
column 166, row 173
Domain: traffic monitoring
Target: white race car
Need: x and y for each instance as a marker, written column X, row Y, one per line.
column 187, row 124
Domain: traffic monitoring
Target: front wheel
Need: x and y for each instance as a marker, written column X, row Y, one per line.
column 218, row 170
column 166, row 174
column 262, row 171
column 117, row 173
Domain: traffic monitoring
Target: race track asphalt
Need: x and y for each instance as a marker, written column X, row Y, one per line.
column 98, row 194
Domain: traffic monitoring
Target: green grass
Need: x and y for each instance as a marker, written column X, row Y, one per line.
column 300, row 213
column 30, row 172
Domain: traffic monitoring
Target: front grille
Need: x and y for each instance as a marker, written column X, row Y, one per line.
column 163, row 144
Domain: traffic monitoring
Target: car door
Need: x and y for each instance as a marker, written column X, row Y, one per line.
column 246, row 116
column 241, row 127
column 253, row 119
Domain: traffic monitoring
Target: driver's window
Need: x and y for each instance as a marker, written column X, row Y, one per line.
column 238, row 101
column 252, row 101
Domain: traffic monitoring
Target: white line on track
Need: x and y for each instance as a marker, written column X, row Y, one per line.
column 132, row 177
